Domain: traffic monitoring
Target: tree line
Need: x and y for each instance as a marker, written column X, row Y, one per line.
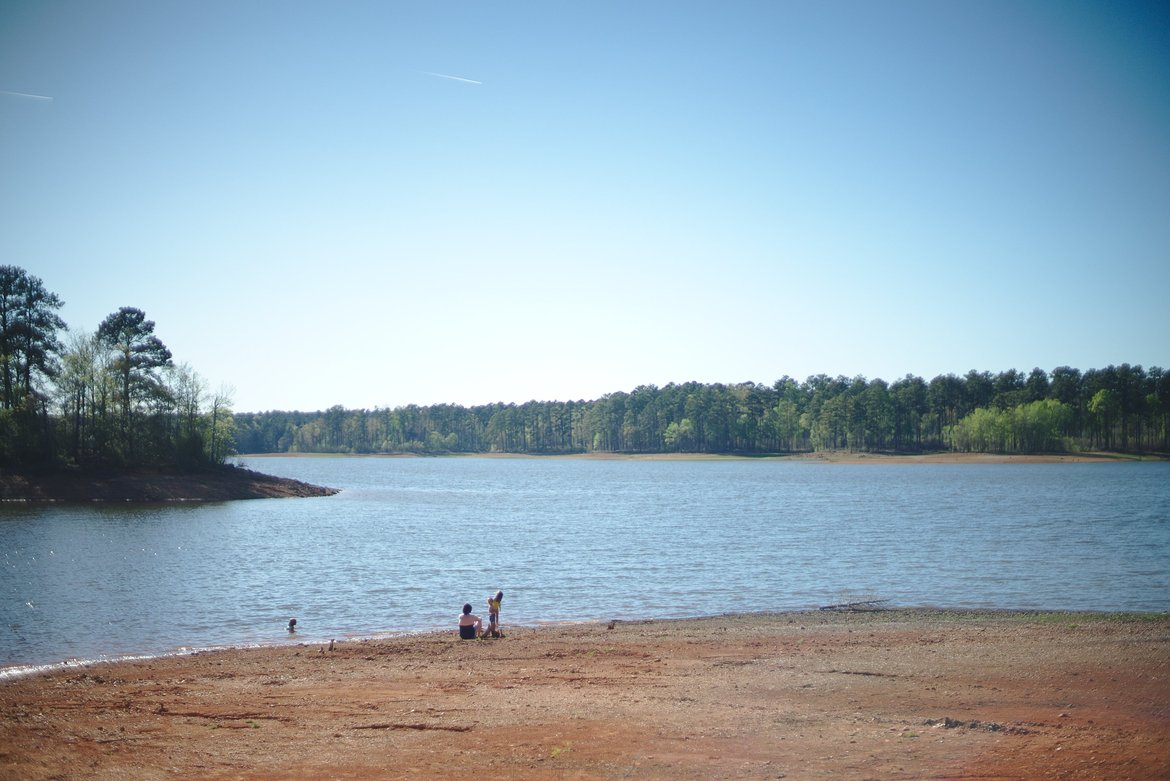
column 110, row 397
column 1119, row 408
column 115, row 396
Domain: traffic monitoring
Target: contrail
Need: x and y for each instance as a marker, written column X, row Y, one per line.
column 452, row 78
column 25, row 95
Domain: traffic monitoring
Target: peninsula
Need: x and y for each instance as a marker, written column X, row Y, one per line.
column 150, row 484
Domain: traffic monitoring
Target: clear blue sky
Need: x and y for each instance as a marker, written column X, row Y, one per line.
column 383, row 203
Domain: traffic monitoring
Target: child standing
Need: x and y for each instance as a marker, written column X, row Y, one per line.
column 494, row 614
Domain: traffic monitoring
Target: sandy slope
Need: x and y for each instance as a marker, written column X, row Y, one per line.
column 889, row 695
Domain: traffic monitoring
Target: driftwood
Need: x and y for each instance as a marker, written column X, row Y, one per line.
column 865, row 606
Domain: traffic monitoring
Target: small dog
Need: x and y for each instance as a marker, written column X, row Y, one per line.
column 292, row 626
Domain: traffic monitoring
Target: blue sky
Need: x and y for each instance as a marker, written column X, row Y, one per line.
column 314, row 212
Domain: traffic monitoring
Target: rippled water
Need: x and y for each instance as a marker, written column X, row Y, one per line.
column 409, row 540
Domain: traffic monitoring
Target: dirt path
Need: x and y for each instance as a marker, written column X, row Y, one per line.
column 889, row 695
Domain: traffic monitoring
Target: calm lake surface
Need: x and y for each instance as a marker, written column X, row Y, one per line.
column 409, row 540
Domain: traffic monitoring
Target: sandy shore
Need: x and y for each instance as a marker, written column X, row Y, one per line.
column 977, row 458
column 883, row 695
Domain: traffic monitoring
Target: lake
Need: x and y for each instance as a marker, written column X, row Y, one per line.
column 409, row 540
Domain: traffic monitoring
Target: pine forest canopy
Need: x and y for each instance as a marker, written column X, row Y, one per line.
column 117, row 397
column 1120, row 408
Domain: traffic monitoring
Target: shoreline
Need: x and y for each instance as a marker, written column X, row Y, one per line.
column 827, row 457
column 22, row 670
column 10, row 672
column 231, row 483
column 149, row 485
column 910, row 693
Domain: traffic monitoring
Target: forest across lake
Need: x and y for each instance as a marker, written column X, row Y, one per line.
column 117, row 398
column 1118, row 409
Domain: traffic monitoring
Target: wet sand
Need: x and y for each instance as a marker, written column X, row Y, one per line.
column 898, row 694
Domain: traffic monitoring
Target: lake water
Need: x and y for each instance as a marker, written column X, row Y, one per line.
column 409, row 540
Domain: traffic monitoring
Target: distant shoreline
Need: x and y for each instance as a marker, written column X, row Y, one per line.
column 827, row 457
column 229, row 483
